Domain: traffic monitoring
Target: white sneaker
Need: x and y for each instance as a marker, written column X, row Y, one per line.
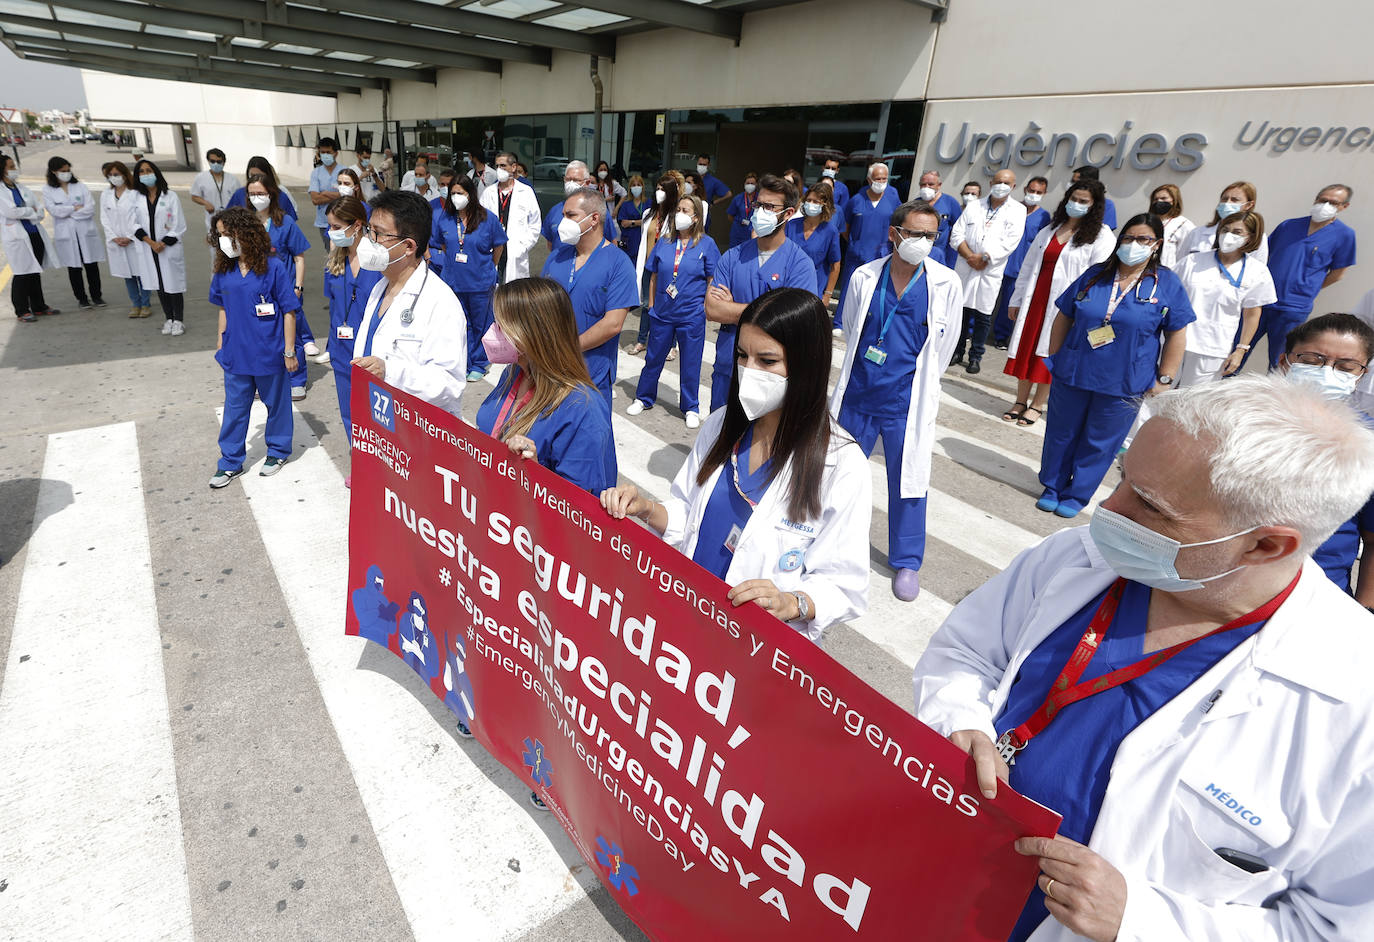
column 693, row 420
column 836, row 332
column 178, row 328
column 323, row 358
column 297, row 393
column 167, row 327
column 311, row 350
column 634, row 408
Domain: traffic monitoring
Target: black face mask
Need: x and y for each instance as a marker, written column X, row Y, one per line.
column 1161, row 208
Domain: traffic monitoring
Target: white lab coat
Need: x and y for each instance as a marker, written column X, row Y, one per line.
column 217, row 194
column 167, row 220
column 75, row 233
column 1280, row 726
column 370, row 188
column 484, row 180
column 1073, row 261
column 996, row 239
column 431, row 192
column 834, row 570
column 1176, row 230
column 1219, row 304
column 1204, row 239
column 522, row 225
column 945, row 317
column 645, row 230
column 120, row 218
column 427, row 357
column 14, row 238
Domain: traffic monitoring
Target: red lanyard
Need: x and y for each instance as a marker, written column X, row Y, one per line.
column 1067, row 689
column 677, row 256
column 509, row 405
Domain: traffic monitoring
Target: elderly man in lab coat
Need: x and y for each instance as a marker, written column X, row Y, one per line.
column 984, row 237
column 1184, row 685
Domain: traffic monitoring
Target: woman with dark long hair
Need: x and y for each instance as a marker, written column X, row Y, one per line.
column 119, row 216
column 28, row 248
column 75, row 233
column 290, row 245
column 470, row 241
column 261, row 165
column 775, row 498
column 161, row 227
column 658, row 223
column 347, row 285
column 1119, row 335
column 257, row 340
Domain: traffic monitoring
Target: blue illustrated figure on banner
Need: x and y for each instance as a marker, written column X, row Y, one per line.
column 417, row 641
column 541, row 769
column 376, row 613
column 621, row 875
column 460, row 698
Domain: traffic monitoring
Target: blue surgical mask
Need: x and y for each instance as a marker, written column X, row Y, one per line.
column 811, row 209
column 1133, row 253
column 764, row 222
column 1331, row 382
column 327, row 159
column 340, row 237
column 1076, row 210
column 1140, row 554
column 148, row 179
column 216, row 167
column 1227, row 209
column 364, row 162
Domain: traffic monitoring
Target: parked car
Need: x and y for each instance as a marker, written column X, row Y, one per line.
column 75, row 136
column 92, row 136
column 550, row 168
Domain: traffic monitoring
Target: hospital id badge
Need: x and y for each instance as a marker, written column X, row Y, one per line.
column 876, row 355
column 344, row 332
column 671, row 291
column 461, row 258
column 265, row 310
column 1101, row 336
column 732, row 540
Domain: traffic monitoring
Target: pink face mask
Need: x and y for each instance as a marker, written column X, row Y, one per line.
column 498, row 346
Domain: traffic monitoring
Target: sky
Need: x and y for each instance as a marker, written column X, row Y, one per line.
column 38, row 86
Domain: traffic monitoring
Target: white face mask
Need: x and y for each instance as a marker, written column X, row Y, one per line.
column 340, row 237
column 914, row 251
column 877, row 186
column 636, row 191
column 602, row 174
column 682, row 221
column 1231, row 241
column 811, row 209
column 569, row 230
column 1226, row 209
column 346, row 190
column 502, row 174
column 765, row 222
column 1332, row 383
column 571, row 186
column 66, row 177
column 827, row 172
column 703, row 169
column 459, row 200
column 970, row 198
column 1033, row 199
column 1001, row 191
column 227, row 246
column 374, row 256
column 1140, row 554
column 260, row 202
column 1076, row 210
column 760, row 392
column 687, row 188
column 659, row 196
column 115, row 180
column 927, row 193
column 1321, row 212
column 750, row 187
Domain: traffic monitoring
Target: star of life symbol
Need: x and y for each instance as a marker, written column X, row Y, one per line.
column 541, row 769
column 621, row 875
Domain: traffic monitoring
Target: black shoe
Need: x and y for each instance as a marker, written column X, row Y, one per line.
column 463, row 730
column 1000, row 345
column 958, row 358
column 974, row 366
column 535, row 800
column 99, row 302
column 84, row 304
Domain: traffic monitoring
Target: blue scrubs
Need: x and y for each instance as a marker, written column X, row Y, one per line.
column 878, row 399
column 470, row 272
column 348, row 296
column 1002, row 324
column 714, row 188
column 630, row 211
column 375, row 612
column 840, row 194
column 1095, row 394
column 726, row 510
column 287, row 242
column 866, row 225
column 1084, row 736
column 1300, row 263
column 251, row 355
column 739, row 211
column 1337, row 555
column 574, row 440
column 550, row 228
column 323, row 180
column 1109, row 213
column 949, row 209
column 680, row 319
column 240, row 198
column 739, row 271
column 823, row 248
column 605, row 282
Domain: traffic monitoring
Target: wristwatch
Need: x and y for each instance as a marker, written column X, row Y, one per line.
column 1166, row 380
column 803, row 610
column 289, row 353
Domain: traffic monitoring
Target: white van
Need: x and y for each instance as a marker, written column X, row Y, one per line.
column 76, row 136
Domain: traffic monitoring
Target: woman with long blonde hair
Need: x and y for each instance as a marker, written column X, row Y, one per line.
column 545, row 405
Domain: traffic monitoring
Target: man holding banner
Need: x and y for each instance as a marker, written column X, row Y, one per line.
column 1184, row 685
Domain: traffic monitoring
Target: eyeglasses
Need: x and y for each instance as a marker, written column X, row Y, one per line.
column 931, row 234
column 771, row 207
column 1138, row 240
column 377, row 235
column 1346, row 365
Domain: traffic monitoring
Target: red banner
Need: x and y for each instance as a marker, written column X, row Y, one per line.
column 724, row 776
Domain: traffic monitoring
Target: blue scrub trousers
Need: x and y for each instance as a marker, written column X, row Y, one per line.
column 724, row 369
column 906, row 516
column 691, row 340
column 1002, row 324
column 644, row 310
column 1083, row 432
column 275, row 394
column 1275, row 325
column 298, row 375
column 477, row 306
column 343, row 385
column 848, row 266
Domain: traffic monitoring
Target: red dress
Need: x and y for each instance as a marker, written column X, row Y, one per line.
column 1026, row 365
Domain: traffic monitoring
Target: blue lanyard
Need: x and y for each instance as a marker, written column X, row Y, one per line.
column 881, row 297
column 1235, row 282
column 574, row 271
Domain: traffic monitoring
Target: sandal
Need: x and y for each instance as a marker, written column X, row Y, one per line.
column 1025, row 422
column 1012, row 414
